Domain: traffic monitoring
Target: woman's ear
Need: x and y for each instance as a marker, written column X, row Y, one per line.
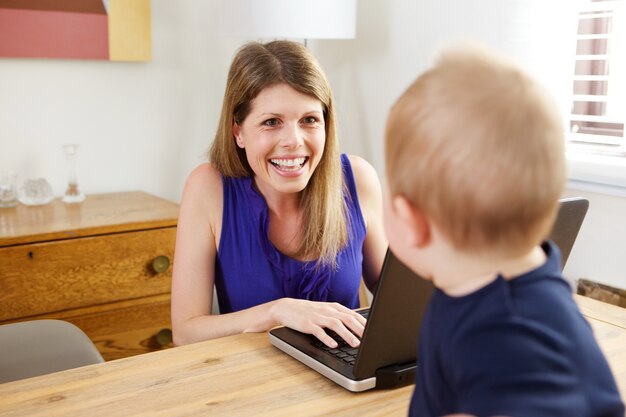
column 237, row 135
column 416, row 224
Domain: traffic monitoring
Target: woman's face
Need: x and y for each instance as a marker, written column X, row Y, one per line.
column 283, row 137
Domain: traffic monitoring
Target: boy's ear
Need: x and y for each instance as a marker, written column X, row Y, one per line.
column 237, row 135
column 417, row 226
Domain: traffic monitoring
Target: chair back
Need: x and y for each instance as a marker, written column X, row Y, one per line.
column 37, row 347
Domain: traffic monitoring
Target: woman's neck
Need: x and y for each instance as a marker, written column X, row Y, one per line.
column 279, row 203
column 285, row 220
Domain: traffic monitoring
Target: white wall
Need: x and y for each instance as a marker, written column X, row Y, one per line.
column 139, row 125
column 146, row 125
column 398, row 38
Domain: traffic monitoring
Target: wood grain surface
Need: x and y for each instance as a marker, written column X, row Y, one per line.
column 234, row 376
column 240, row 375
column 609, row 326
column 92, row 265
column 98, row 214
column 124, row 328
column 53, row 276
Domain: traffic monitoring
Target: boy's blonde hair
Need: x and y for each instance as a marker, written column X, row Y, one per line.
column 478, row 146
column 255, row 67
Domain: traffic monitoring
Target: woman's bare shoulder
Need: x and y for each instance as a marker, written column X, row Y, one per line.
column 204, row 177
column 360, row 164
column 203, row 190
column 366, row 178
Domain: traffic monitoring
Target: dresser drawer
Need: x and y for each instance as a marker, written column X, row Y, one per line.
column 124, row 328
column 66, row 274
column 129, row 330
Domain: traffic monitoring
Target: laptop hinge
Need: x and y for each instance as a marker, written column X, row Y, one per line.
column 394, row 376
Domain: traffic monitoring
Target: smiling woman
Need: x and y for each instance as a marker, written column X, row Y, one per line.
column 283, row 138
column 281, row 224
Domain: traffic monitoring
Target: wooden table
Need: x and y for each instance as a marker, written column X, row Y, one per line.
column 240, row 375
column 609, row 325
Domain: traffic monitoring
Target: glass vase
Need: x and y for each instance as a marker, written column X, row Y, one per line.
column 73, row 193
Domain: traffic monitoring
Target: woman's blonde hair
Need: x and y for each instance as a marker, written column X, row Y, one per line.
column 478, row 146
column 255, row 67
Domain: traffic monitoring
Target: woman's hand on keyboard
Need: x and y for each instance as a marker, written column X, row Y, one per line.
column 314, row 317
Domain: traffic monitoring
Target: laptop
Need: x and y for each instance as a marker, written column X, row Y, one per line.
column 567, row 224
column 386, row 357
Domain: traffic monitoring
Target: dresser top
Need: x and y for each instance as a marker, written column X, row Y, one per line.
column 98, row 214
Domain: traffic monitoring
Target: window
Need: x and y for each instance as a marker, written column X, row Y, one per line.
column 596, row 142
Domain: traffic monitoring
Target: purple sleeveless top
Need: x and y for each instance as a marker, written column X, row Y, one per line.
column 251, row 271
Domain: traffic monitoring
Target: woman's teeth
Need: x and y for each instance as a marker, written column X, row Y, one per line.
column 288, row 164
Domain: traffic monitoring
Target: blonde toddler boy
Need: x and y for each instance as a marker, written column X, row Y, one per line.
column 475, row 167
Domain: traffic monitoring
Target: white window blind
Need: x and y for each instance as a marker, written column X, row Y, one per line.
column 598, row 114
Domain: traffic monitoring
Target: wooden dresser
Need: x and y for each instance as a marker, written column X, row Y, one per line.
column 104, row 265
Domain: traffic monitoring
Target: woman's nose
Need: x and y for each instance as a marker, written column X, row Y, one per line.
column 293, row 137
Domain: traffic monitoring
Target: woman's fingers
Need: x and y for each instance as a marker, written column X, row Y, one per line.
column 355, row 324
column 318, row 318
column 324, row 337
column 346, row 323
column 342, row 331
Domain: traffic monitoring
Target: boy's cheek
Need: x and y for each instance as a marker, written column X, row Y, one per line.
column 388, row 218
column 393, row 228
column 397, row 236
column 398, row 242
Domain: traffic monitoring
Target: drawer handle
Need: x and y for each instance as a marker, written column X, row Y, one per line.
column 164, row 337
column 160, row 264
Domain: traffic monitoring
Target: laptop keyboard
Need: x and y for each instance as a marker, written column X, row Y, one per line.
column 343, row 351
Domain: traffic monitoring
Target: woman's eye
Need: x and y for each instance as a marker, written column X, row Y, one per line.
column 310, row 120
column 271, row 122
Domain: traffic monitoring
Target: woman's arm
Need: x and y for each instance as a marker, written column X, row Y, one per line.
column 199, row 222
column 371, row 201
column 194, row 258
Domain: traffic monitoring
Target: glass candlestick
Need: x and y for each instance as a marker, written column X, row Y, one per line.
column 73, row 193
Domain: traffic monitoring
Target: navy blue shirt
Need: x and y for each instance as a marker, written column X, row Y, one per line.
column 516, row 348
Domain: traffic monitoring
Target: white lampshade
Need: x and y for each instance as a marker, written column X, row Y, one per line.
column 288, row 19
